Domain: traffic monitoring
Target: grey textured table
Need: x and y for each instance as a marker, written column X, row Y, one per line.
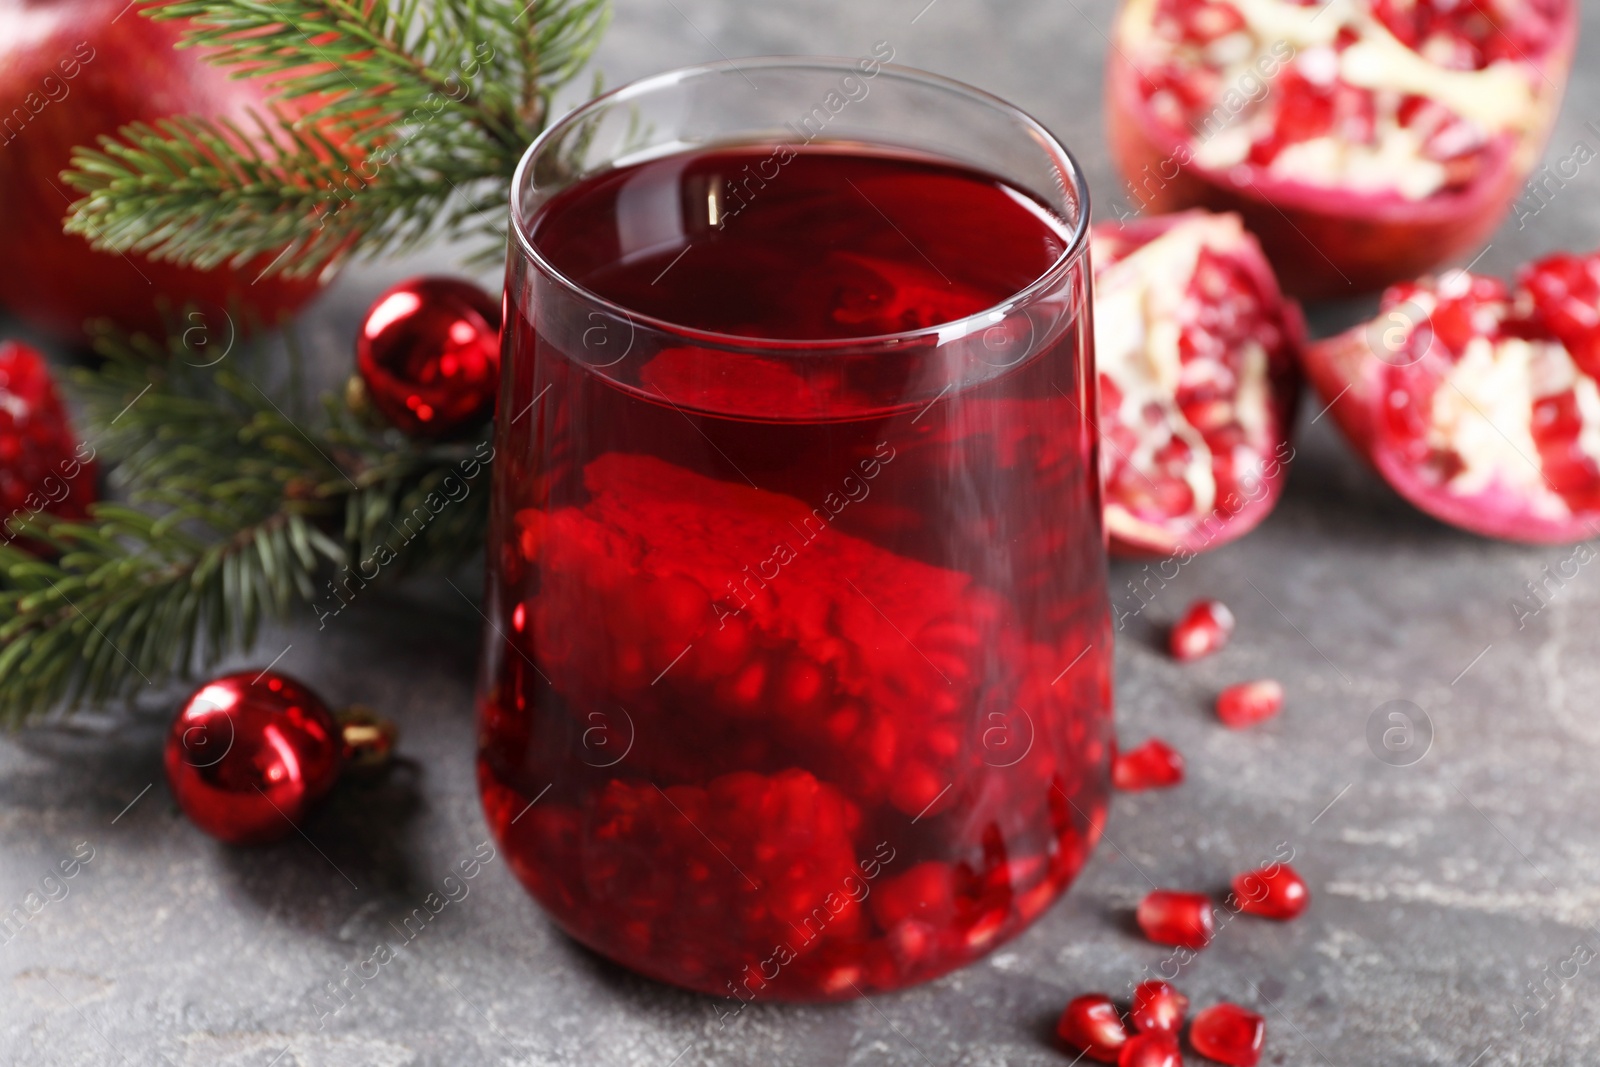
column 1442, row 889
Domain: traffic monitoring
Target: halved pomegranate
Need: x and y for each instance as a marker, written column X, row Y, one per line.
column 1477, row 401
column 1364, row 141
column 1196, row 350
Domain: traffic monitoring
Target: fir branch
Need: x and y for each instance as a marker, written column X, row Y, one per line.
column 393, row 122
column 237, row 511
column 260, row 195
column 132, row 601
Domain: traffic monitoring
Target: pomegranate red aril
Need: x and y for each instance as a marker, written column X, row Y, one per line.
column 1273, row 892
column 1170, row 917
column 1091, row 1025
column 1306, row 111
column 1158, row 1007
column 1153, row 765
column 1204, row 629
column 1248, row 703
column 1151, row 1050
column 1229, row 1034
column 1566, row 291
column 1196, row 349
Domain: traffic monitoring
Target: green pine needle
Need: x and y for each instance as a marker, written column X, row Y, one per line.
column 240, row 507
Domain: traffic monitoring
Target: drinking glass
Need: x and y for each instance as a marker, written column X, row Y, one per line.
column 797, row 681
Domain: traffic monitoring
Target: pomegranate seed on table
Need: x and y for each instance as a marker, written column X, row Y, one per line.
column 1229, row 1034
column 1204, row 629
column 1155, row 1049
column 1091, row 1024
column 1275, row 892
column 1158, row 1007
column 1153, row 765
column 1248, row 703
column 1170, row 917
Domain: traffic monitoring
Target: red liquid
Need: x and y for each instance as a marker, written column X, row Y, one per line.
column 804, row 685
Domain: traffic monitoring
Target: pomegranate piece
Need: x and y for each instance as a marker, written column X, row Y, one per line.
column 1196, row 350
column 1204, row 629
column 1363, row 142
column 1091, row 1025
column 1229, row 1034
column 1273, row 892
column 43, row 468
column 1243, row 705
column 1477, row 401
column 1170, row 917
column 1153, row 765
column 810, row 669
column 103, row 65
column 1151, row 1050
column 1158, row 1007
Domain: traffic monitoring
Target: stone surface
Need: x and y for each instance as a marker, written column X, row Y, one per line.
column 1441, row 889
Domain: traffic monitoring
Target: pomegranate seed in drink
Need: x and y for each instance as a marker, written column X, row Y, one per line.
column 1248, row 703
column 1157, row 1006
column 1229, row 1034
column 1204, row 629
column 1169, row 917
column 1275, row 892
column 1153, row 765
column 1091, row 1025
column 1155, row 1049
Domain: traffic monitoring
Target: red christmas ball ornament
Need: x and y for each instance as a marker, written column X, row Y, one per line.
column 429, row 356
column 251, row 754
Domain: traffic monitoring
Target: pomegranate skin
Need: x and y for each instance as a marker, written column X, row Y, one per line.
column 1332, row 242
column 1345, row 367
column 1132, row 537
column 123, row 69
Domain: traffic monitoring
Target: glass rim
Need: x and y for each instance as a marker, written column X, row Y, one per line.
column 1076, row 245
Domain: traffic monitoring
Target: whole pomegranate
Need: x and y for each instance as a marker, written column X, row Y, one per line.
column 1363, row 141
column 43, row 465
column 1196, row 350
column 70, row 71
column 1478, row 401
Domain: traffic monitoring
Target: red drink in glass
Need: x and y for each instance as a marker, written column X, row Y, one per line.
column 798, row 681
